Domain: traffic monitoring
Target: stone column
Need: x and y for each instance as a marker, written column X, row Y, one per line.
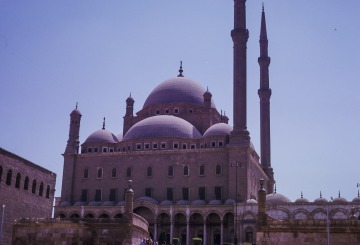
column 221, row 233
column 204, row 233
column 187, row 233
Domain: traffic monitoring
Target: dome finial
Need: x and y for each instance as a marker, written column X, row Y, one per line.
column 103, row 124
column 181, row 70
column 275, row 189
column 76, row 105
column 263, row 6
column 320, row 194
column 302, row 195
column 339, row 194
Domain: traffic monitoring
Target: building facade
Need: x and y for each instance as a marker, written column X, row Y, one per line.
column 194, row 175
column 26, row 191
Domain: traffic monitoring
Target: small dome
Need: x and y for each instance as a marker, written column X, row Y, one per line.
column 301, row 200
column 162, row 126
column 177, row 90
column 94, row 203
column 218, row 129
column 166, row 202
column 121, row 203
column 215, row 202
column 65, row 204
column 102, row 135
column 251, row 201
column 108, row 203
column 149, row 199
column 80, row 204
column 357, row 199
column 182, row 202
column 130, row 100
column 198, row 202
column 75, row 112
column 230, row 201
column 340, row 200
column 321, row 200
column 276, row 198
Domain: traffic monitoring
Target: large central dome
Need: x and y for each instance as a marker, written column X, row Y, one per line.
column 177, row 90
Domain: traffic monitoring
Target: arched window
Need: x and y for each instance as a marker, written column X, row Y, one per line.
column 202, row 170
column 33, row 189
column 41, row 189
column 48, row 192
column 1, row 170
column 17, row 182
column 129, row 172
column 218, row 169
column 113, row 173
column 8, row 177
column 26, row 183
column 171, row 171
column 99, row 173
column 149, row 172
column 186, row 170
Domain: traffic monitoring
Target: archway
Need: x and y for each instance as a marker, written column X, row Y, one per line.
column 213, row 224
column 163, row 228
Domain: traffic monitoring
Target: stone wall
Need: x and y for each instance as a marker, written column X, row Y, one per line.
column 19, row 201
column 78, row 231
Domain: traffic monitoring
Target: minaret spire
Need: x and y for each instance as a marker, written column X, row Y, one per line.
column 240, row 37
column 265, row 94
column 180, row 70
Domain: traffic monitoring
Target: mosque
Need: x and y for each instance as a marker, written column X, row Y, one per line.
column 194, row 175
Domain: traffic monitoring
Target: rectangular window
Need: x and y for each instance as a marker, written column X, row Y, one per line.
column 96, row 149
column 138, row 146
column 176, row 145
column 105, row 149
column 148, row 192
column 155, row 146
column 147, row 146
column 163, row 145
column 184, row 146
column 166, row 111
column 220, row 143
column 213, row 143
column 84, row 195
column 98, row 195
column 157, row 112
column 202, row 192
column 218, row 192
column 86, row 173
column 176, row 111
column 193, row 146
column 99, row 173
column 170, row 194
column 111, row 149
column 112, row 195
column 89, row 149
column 185, row 193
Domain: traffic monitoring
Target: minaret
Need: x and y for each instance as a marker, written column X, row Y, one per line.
column 73, row 142
column 265, row 94
column 70, row 157
column 239, row 35
column 129, row 116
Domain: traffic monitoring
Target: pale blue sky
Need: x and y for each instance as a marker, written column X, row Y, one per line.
column 55, row 53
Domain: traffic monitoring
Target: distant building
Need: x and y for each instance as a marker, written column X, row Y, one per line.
column 26, row 191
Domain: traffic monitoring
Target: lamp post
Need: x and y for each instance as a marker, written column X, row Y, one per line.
column 2, row 222
column 236, row 165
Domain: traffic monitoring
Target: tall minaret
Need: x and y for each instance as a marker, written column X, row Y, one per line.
column 73, row 142
column 265, row 94
column 240, row 36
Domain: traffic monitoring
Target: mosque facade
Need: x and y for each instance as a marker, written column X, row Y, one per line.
column 194, row 175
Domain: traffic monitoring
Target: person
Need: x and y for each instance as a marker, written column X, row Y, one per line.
column 142, row 242
column 156, row 243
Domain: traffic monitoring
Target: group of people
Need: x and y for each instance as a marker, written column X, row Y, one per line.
column 148, row 242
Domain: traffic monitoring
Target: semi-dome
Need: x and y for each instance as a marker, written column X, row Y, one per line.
column 102, row 135
column 357, row 199
column 162, row 126
column 276, row 198
column 177, row 90
column 218, row 129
